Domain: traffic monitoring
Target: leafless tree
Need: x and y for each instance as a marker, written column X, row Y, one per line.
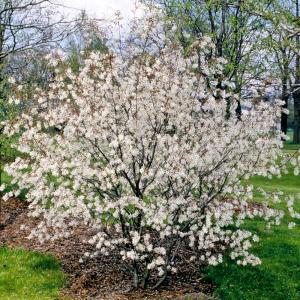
column 28, row 24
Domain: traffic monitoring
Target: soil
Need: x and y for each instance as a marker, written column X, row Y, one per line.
column 103, row 277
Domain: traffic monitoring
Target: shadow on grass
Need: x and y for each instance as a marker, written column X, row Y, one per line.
column 45, row 263
column 29, row 275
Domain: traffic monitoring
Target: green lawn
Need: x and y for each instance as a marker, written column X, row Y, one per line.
column 289, row 145
column 279, row 275
column 29, row 276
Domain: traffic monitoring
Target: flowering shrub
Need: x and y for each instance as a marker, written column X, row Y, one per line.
column 140, row 147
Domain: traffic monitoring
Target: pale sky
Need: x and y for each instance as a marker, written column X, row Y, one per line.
column 100, row 8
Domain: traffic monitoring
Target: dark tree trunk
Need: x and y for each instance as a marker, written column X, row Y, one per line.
column 285, row 98
column 296, row 138
column 239, row 109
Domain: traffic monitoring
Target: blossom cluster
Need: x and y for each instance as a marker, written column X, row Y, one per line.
column 144, row 146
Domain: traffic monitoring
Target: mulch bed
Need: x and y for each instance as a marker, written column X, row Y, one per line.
column 103, row 277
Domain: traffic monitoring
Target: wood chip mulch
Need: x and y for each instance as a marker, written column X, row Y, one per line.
column 103, row 277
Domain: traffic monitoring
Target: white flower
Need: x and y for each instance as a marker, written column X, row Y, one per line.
column 11, row 80
column 291, row 225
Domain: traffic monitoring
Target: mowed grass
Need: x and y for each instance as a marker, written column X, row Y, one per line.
column 29, row 275
column 278, row 277
column 289, row 143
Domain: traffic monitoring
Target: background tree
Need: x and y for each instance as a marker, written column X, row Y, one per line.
column 27, row 29
column 252, row 36
column 89, row 37
column 233, row 29
column 280, row 55
column 27, row 26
